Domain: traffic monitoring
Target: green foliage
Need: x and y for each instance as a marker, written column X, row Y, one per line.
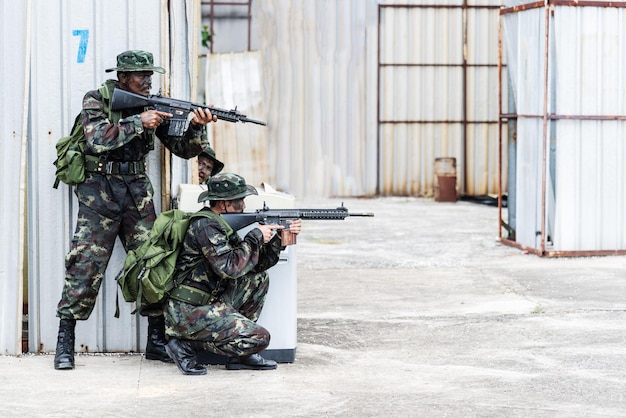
column 207, row 37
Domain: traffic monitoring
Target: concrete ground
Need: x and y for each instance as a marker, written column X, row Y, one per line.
column 417, row 312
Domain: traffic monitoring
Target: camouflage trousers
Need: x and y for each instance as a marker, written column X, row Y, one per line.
column 228, row 326
column 109, row 207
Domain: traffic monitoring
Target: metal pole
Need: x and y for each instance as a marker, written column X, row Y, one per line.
column 544, row 157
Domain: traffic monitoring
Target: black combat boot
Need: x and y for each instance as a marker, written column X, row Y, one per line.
column 64, row 356
column 184, row 355
column 251, row 362
column 155, row 348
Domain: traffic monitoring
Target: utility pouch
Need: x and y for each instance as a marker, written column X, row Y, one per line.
column 70, row 162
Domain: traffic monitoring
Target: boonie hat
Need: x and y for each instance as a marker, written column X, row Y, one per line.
column 217, row 164
column 134, row 60
column 226, row 186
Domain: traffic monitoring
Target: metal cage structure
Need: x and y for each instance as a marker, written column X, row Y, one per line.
column 567, row 194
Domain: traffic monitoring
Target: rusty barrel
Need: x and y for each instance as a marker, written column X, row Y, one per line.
column 445, row 179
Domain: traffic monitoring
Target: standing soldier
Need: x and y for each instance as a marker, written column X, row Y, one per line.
column 115, row 200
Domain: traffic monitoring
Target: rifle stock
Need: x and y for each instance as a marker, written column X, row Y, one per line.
column 181, row 109
column 267, row 216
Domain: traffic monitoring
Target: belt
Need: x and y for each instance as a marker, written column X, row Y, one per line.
column 95, row 165
column 191, row 295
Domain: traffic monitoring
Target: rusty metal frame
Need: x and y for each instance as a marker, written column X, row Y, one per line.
column 464, row 66
column 213, row 3
column 547, row 5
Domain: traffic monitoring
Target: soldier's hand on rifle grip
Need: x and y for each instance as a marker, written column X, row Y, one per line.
column 268, row 231
column 288, row 235
column 295, row 226
column 151, row 119
column 203, row 116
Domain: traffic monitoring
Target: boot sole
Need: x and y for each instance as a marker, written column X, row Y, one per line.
column 173, row 358
column 161, row 358
column 248, row 367
column 64, row 362
column 63, row 366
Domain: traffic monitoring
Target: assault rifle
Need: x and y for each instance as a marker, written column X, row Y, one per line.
column 181, row 109
column 283, row 217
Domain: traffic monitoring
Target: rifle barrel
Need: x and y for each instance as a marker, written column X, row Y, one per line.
column 123, row 99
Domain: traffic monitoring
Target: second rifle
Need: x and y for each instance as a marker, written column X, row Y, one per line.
column 181, row 109
column 283, row 217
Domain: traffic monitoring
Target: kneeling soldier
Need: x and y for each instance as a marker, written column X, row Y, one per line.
column 222, row 284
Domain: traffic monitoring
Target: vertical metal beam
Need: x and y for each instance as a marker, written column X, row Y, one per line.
column 500, row 127
column 544, row 152
column 249, row 25
column 464, row 98
column 211, row 20
column 166, row 154
column 379, row 175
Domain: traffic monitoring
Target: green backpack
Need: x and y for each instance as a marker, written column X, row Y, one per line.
column 148, row 272
column 70, row 162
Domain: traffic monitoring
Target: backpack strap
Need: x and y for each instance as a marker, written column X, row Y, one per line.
column 180, row 278
column 207, row 213
column 106, row 90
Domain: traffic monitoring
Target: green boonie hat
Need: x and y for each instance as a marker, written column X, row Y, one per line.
column 136, row 61
column 210, row 154
column 226, row 186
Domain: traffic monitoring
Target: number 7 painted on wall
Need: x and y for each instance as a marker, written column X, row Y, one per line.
column 82, row 46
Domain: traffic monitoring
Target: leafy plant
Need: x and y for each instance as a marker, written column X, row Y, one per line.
column 207, row 37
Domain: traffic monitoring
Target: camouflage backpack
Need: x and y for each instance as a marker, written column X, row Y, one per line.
column 148, row 272
column 70, row 162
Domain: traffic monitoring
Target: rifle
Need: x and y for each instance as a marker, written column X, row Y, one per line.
column 283, row 217
column 181, row 109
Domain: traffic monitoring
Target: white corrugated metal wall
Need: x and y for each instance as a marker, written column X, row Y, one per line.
column 525, row 35
column 68, row 45
column 590, row 198
column 236, row 80
column 581, row 187
column 321, row 95
column 438, row 95
column 14, row 47
column 73, row 42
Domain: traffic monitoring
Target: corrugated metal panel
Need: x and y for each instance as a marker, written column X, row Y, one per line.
column 68, row 59
column 180, row 49
column 590, row 202
column 321, row 91
column 73, row 42
column 421, row 54
column 319, row 111
column 571, row 184
column 14, row 47
column 438, row 95
column 236, row 80
column 525, row 42
column 482, row 102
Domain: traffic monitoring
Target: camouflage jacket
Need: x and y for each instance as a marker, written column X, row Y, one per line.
column 227, row 257
column 121, row 136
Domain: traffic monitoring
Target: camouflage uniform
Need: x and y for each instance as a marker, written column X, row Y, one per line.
column 112, row 205
column 233, row 273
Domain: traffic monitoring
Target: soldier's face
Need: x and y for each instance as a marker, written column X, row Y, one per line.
column 234, row 206
column 205, row 167
column 138, row 82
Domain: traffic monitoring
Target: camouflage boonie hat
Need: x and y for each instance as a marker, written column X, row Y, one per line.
column 129, row 61
column 226, row 186
column 210, row 154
